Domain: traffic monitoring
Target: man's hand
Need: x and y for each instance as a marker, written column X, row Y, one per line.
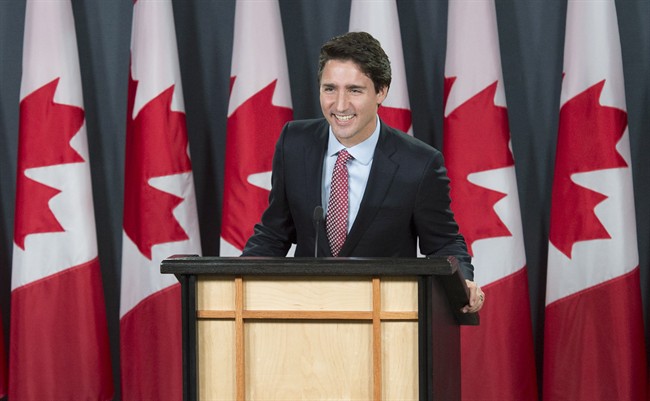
column 476, row 298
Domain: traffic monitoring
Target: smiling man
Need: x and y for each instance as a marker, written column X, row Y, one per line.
column 381, row 190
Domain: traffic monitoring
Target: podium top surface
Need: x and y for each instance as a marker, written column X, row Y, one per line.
column 282, row 266
column 444, row 269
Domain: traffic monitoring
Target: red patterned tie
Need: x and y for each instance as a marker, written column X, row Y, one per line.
column 337, row 208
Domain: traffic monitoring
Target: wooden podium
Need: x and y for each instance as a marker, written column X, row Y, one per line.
column 320, row 328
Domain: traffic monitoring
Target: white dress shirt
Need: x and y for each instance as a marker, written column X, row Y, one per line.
column 358, row 170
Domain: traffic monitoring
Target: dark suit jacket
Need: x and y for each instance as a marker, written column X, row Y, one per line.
column 406, row 198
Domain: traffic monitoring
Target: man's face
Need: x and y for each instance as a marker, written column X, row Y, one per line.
column 349, row 101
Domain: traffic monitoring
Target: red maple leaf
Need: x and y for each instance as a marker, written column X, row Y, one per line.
column 476, row 139
column 46, row 129
column 252, row 131
column 587, row 137
column 156, row 146
column 396, row 117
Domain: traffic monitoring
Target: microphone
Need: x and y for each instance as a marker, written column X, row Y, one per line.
column 318, row 217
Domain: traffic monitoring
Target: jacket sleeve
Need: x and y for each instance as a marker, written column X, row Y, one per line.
column 434, row 220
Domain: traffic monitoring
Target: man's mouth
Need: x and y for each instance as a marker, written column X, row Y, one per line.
column 343, row 118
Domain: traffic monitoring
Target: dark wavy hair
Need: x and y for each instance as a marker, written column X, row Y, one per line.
column 362, row 49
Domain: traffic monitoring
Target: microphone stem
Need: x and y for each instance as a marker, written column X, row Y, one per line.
column 318, row 217
column 316, row 240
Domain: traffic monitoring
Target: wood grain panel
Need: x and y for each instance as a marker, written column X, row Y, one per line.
column 216, row 360
column 215, row 293
column 399, row 294
column 400, row 360
column 324, row 294
column 308, row 361
column 297, row 339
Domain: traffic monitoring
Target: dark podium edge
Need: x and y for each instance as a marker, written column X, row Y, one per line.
column 442, row 292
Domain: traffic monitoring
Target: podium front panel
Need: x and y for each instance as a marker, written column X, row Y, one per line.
column 324, row 294
column 216, row 359
column 399, row 360
column 307, row 338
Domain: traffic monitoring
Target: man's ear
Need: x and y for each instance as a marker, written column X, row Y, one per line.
column 381, row 95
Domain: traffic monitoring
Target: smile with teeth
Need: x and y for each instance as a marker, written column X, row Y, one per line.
column 343, row 117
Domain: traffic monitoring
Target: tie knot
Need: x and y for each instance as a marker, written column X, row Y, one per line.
column 343, row 157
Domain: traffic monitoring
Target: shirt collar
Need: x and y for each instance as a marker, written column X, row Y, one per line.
column 362, row 152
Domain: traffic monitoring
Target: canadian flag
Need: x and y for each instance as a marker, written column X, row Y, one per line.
column 160, row 217
column 593, row 334
column 497, row 357
column 260, row 105
column 59, row 346
column 380, row 19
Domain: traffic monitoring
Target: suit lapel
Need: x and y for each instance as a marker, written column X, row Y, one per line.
column 380, row 179
column 313, row 161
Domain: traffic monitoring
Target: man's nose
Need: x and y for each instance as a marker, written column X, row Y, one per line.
column 341, row 101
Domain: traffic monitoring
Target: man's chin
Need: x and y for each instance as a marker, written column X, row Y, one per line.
column 342, row 130
column 340, row 133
